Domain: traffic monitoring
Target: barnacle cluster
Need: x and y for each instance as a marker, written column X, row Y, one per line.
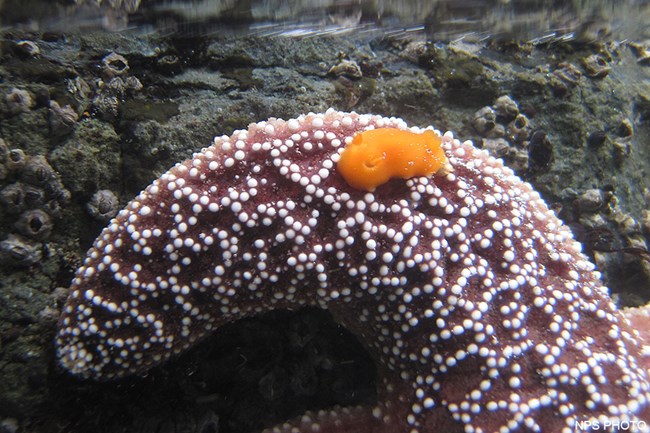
column 506, row 132
column 114, row 86
column 31, row 194
column 564, row 78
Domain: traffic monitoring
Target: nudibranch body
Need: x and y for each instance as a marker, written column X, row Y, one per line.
column 478, row 306
column 378, row 155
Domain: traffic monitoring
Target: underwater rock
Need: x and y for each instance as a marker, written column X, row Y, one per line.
column 49, row 314
column 4, row 154
column 308, row 57
column 89, row 159
column 4, row 151
column 9, row 425
column 645, row 221
column 53, row 208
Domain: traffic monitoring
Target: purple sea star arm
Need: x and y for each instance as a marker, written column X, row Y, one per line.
column 639, row 318
column 474, row 299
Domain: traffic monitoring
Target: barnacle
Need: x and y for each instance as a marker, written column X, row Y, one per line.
column 19, row 251
column 103, row 205
column 35, row 224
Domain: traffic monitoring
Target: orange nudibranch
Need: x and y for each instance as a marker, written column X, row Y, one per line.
column 375, row 156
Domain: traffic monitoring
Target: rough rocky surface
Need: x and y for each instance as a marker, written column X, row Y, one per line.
column 264, row 370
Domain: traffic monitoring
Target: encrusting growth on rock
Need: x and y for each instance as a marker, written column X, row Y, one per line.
column 478, row 306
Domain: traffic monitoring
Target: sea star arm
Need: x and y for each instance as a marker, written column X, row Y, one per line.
column 476, row 303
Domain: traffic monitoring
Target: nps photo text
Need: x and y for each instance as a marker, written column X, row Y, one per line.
column 634, row 426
